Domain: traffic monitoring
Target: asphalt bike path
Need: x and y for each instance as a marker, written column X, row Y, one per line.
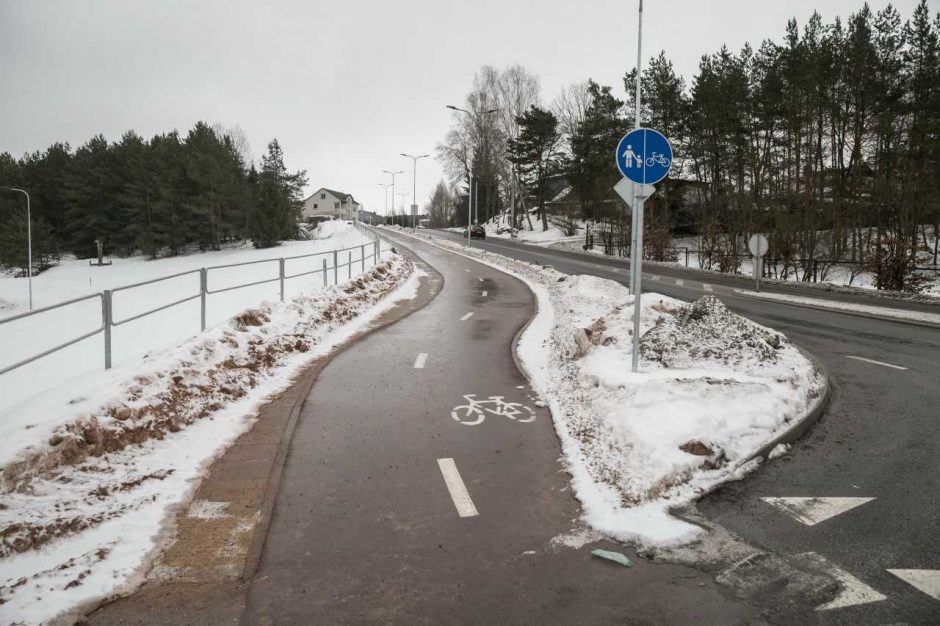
column 879, row 439
column 390, row 510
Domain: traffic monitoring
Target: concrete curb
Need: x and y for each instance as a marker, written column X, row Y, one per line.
column 871, row 316
column 801, row 426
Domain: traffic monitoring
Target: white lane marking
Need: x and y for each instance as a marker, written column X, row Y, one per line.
column 655, row 277
column 926, row 580
column 679, row 282
column 858, row 358
column 458, row 491
column 812, row 510
column 707, row 287
column 466, row 317
column 466, row 270
column 420, row 361
column 852, row 592
column 484, row 294
column 480, row 279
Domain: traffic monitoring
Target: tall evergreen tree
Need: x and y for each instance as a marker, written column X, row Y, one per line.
column 535, row 153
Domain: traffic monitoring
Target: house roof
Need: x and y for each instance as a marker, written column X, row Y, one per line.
column 344, row 197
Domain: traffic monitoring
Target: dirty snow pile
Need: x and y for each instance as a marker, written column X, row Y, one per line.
column 713, row 387
column 84, row 499
column 331, row 228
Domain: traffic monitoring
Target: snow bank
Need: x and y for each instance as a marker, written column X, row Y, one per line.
column 712, row 388
column 332, row 228
column 84, row 495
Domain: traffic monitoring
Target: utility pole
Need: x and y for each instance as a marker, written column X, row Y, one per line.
column 29, row 244
column 414, row 186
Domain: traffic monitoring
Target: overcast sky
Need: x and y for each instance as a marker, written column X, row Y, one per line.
column 344, row 85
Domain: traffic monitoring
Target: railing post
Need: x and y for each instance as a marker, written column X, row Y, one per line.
column 335, row 268
column 203, row 286
column 280, row 265
column 349, row 265
column 686, row 257
column 363, row 252
column 106, row 320
column 324, row 272
column 375, row 252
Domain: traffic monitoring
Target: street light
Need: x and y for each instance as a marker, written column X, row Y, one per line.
column 469, row 172
column 414, row 186
column 392, row 174
column 29, row 244
column 386, row 185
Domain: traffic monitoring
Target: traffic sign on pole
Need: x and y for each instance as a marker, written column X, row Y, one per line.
column 757, row 244
column 625, row 189
column 644, row 156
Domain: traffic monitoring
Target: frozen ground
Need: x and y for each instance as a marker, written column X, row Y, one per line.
column 90, row 481
column 75, row 278
column 713, row 387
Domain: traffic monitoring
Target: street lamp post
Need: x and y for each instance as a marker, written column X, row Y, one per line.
column 386, row 185
column 29, row 244
column 393, row 174
column 414, row 186
column 470, row 193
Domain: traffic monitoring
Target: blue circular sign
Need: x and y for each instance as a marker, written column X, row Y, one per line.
column 644, row 156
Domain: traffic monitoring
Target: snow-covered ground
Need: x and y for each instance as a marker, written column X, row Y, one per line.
column 836, row 275
column 713, row 387
column 75, row 278
column 91, row 480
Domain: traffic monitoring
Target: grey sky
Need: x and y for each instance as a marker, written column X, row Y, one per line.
column 344, row 86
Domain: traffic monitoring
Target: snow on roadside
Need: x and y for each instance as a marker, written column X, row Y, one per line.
column 713, row 388
column 82, row 508
column 834, row 305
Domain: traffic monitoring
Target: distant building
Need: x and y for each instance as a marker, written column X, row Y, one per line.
column 328, row 203
column 368, row 217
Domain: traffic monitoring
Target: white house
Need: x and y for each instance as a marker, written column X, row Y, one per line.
column 330, row 203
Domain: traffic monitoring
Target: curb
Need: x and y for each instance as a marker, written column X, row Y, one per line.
column 814, row 307
column 801, row 426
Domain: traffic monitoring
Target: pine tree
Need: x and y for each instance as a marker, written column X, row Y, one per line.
column 535, row 153
column 277, row 210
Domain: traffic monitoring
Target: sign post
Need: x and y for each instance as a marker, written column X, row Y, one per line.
column 757, row 244
column 644, row 157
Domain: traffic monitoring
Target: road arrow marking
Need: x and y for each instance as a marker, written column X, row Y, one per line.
column 852, row 592
column 419, row 362
column 858, row 358
column 458, row 491
column 926, row 580
column 813, row 510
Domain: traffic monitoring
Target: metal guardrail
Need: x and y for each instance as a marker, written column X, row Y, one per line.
column 108, row 321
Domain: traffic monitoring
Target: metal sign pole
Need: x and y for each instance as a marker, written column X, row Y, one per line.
column 636, row 245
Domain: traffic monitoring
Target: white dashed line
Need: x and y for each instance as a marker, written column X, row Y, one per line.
column 707, row 287
column 420, row 361
column 466, row 317
column 858, row 358
column 484, row 294
column 655, row 277
column 458, row 491
column 679, row 282
column 480, row 279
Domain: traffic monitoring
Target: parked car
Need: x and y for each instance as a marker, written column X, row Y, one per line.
column 477, row 232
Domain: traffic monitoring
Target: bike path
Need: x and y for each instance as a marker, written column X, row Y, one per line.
column 365, row 528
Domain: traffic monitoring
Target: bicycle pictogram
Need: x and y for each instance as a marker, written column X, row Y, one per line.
column 655, row 158
column 474, row 412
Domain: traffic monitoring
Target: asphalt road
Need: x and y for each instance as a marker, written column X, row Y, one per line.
column 879, row 439
column 392, row 511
